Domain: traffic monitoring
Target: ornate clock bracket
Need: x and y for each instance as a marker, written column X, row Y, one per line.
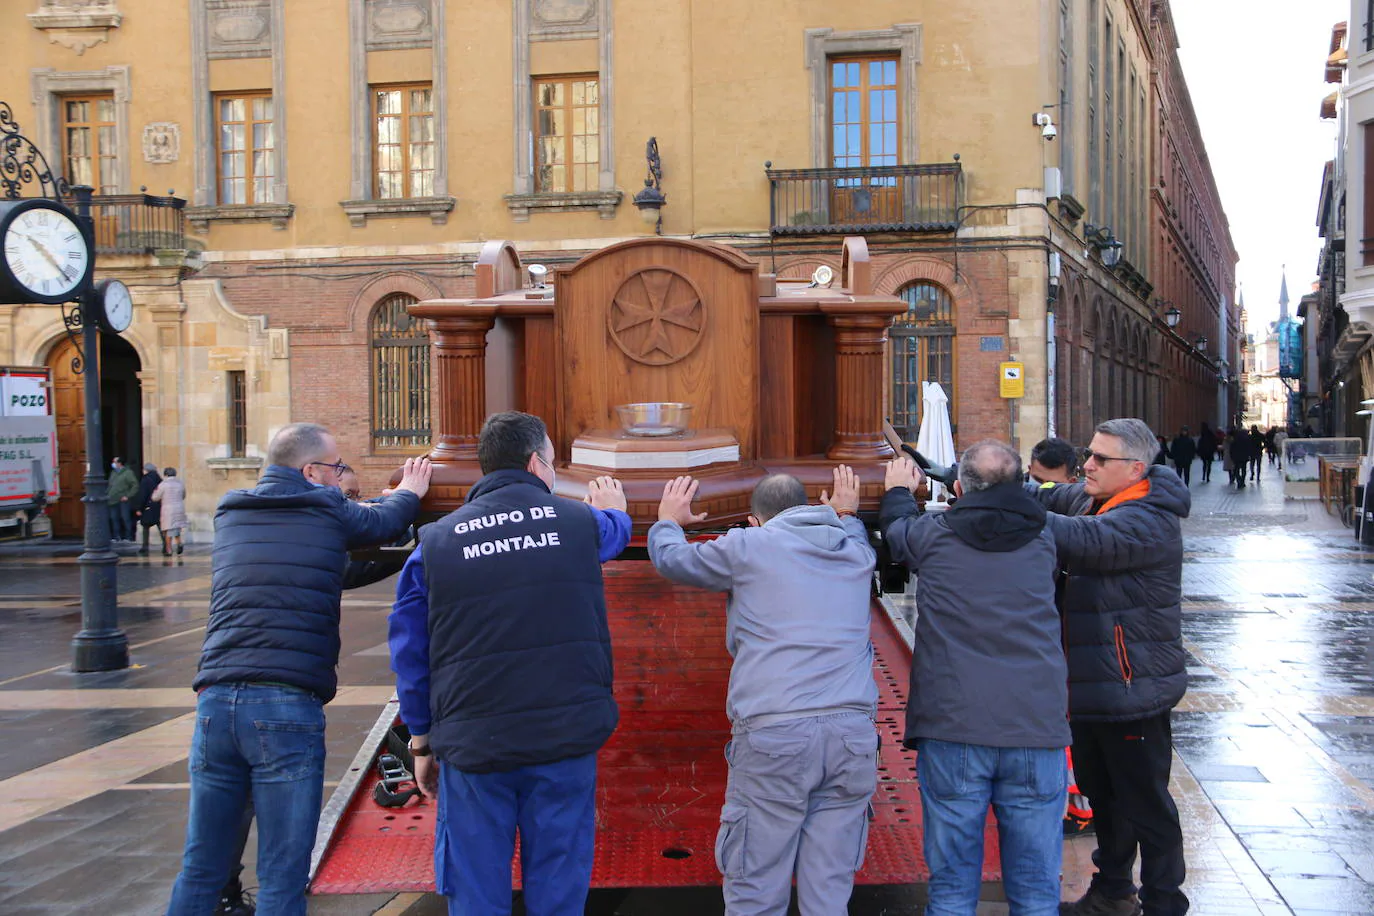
column 73, row 322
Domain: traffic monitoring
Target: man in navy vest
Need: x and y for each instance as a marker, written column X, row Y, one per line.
column 502, row 656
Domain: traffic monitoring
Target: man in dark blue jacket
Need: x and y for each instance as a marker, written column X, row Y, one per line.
column 1122, row 557
column 268, row 664
column 502, row 654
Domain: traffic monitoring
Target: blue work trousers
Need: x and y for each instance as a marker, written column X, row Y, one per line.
column 266, row 744
column 554, row 807
column 1026, row 787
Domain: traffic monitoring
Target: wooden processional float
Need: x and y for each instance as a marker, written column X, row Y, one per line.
column 781, row 376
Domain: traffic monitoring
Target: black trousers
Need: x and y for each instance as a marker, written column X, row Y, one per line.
column 1185, row 470
column 1123, row 768
column 1206, row 469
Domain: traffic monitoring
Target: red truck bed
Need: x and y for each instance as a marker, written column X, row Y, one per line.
column 661, row 777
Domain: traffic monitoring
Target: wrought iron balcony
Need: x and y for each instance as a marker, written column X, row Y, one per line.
column 138, row 223
column 888, row 198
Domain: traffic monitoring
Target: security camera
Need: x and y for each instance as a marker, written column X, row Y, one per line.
column 1043, row 121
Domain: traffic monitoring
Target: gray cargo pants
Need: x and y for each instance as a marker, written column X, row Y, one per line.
column 796, row 800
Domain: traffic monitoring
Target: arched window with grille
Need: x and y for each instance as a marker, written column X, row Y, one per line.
column 922, row 351
column 400, row 375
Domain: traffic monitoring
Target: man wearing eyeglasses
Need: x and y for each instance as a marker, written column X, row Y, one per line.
column 1121, row 548
column 502, row 653
column 268, row 664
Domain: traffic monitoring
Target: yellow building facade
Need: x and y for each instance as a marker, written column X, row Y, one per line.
column 338, row 159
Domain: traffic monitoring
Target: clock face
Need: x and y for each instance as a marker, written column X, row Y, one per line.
column 46, row 252
column 118, row 305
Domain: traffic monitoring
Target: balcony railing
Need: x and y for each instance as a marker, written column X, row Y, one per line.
column 137, row 223
column 888, row 198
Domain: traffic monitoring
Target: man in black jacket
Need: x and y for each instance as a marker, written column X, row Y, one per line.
column 268, row 664
column 1183, row 450
column 1122, row 553
column 502, row 653
column 988, row 704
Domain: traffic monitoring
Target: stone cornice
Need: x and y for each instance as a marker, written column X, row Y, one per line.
column 436, row 208
column 200, row 217
column 604, row 202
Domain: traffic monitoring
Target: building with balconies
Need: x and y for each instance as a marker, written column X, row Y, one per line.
column 341, row 160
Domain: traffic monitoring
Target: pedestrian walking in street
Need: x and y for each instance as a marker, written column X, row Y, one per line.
column 1119, row 541
column 988, row 699
column 1053, row 461
column 1162, row 452
column 269, row 665
column 171, row 493
column 803, row 754
column 1182, row 450
column 502, row 653
column 1206, row 450
column 148, row 511
column 122, row 488
column 1271, row 445
column 1237, row 456
column 1256, row 453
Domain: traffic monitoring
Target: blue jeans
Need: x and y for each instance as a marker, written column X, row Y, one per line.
column 268, row 743
column 121, row 521
column 1026, row 787
column 554, row 806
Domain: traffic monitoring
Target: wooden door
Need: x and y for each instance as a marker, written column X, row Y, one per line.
column 68, row 518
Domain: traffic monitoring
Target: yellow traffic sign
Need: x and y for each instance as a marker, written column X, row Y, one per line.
column 1013, row 380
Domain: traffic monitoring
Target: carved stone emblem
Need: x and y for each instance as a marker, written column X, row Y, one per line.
column 564, row 12
column 239, row 28
column 657, row 316
column 398, row 23
column 161, row 142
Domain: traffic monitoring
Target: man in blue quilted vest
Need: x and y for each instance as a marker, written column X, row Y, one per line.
column 268, row 665
column 502, row 654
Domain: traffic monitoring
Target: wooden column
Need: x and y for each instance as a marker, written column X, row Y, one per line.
column 859, row 352
column 459, row 404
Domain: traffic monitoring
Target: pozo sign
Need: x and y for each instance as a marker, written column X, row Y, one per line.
column 24, row 396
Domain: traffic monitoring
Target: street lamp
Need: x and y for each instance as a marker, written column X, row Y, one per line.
column 1202, row 342
column 650, row 199
column 1172, row 316
column 100, row 645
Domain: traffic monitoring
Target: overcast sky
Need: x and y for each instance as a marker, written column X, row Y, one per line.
column 1255, row 71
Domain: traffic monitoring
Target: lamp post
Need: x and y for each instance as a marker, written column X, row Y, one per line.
column 650, row 199
column 100, row 645
column 1172, row 316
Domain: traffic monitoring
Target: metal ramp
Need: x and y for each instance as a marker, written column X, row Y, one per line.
column 661, row 777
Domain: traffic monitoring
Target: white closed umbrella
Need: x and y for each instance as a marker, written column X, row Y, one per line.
column 935, row 439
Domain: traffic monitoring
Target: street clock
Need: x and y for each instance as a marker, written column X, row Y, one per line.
column 47, row 258
column 113, row 306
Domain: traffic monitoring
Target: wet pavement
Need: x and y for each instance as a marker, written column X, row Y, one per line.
column 1274, row 742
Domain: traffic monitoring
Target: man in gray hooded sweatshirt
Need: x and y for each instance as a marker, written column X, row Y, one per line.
column 803, row 757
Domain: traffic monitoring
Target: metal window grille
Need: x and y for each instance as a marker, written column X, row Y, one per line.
column 238, row 414
column 400, row 375
column 922, row 351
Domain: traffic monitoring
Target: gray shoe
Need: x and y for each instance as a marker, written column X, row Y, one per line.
column 1096, row 903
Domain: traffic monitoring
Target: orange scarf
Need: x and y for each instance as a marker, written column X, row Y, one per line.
column 1138, row 490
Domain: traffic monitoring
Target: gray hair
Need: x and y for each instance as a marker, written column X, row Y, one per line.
column 1138, row 442
column 988, row 463
column 297, row 445
column 150, row 467
column 776, row 494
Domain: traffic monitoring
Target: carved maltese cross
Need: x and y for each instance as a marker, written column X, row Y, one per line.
column 656, row 317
